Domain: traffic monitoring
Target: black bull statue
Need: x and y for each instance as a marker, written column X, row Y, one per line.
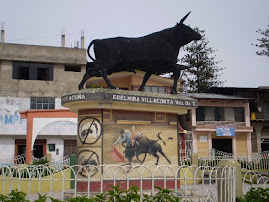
column 155, row 53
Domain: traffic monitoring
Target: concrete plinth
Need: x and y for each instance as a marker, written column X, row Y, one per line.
column 126, row 127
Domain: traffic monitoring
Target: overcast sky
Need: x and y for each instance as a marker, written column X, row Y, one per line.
column 230, row 26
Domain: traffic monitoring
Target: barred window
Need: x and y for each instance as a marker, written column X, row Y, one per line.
column 42, row 103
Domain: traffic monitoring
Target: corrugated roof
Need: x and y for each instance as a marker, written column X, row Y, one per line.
column 213, row 96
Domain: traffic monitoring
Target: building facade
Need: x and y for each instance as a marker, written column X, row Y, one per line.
column 220, row 123
column 32, row 81
column 259, row 109
column 35, row 78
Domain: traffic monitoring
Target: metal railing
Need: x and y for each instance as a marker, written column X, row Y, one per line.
column 64, row 161
column 255, row 180
column 185, row 156
column 220, row 123
column 188, row 182
column 20, row 159
column 211, row 158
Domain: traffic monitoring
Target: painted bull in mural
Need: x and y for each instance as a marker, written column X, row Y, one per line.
column 143, row 145
column 155, row 53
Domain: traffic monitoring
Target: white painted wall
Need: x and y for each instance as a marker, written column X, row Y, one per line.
column 59, row 144
column 12, row 124
column 10, row 118
column 40, row 123
column 7, row 148
column 58, row 104
column 59, row 128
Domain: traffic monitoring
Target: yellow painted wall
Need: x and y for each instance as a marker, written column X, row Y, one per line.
column 241, row 144
column 54, row 182
column 201, row 145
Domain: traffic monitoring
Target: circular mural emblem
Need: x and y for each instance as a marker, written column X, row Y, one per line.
column 89, row 160
column 90, row 130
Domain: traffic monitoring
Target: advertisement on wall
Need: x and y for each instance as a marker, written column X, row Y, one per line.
column 225, row 131
column 10, row 118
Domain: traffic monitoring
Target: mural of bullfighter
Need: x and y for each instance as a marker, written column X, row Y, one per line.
column 141, row 144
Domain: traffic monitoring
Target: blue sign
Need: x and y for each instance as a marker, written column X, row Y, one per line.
column 225, row 131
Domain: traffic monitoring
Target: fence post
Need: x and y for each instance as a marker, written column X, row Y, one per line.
column 238, row 179
column 194, row 159
column 73, row 161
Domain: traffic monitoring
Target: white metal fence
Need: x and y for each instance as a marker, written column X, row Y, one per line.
column 20, row 159
column 211, row 158
column 252, row 179
column 187, row 182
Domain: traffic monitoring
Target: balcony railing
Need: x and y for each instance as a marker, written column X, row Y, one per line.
column 220, row 123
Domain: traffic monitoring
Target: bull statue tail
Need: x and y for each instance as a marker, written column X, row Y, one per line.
column 88, row 50
column 159, row 138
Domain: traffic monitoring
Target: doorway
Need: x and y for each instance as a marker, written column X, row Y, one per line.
column 225, row 145
column 265, row 145
column 21, row 149
column 38, row 151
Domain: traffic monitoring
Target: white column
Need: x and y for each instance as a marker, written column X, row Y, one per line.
column 234, row 146
column 194, row 142
column 258, row 131
column 209, row 140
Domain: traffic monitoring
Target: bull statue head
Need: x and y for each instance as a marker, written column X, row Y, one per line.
column 185, row 33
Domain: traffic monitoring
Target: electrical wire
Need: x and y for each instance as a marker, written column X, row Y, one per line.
column 58, row 35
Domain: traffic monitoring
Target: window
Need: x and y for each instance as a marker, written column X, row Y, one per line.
column 51, row 147
column 200, row 113
column 188, row 141
column 42, row 103
column 70, row 68
column 220, row 114
column 32, row 71
column 155, row 89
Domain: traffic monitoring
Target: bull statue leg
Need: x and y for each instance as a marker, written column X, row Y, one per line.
column 84, row 79
column 145, row 79
column 104, row 75
column 177, row 70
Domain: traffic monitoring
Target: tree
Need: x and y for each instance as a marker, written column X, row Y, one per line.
column 204, row 70
column 263, row 42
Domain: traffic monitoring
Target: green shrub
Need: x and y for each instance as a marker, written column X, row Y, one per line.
column 40, row 162
column 163, row 195
column 113, row 195
column 255, row 195
column 14, row 195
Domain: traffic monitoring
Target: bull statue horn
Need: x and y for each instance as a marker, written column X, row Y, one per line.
column 184, row 18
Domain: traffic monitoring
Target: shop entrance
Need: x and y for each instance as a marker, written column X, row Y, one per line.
column 225, row 145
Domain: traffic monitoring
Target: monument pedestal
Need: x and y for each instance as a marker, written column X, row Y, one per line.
column 118, row 127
